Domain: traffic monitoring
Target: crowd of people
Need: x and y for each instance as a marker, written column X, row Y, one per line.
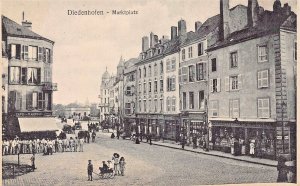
column 45, row 145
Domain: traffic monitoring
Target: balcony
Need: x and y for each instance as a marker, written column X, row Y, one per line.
column 50, row 86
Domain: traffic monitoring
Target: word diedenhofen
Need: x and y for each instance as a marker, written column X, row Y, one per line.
column 85, row 12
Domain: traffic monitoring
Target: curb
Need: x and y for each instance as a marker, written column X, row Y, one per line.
column 232, row 158
column 216, row 155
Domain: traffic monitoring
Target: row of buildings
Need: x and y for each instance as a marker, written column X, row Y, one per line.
column 233, row 77
column 27, row 87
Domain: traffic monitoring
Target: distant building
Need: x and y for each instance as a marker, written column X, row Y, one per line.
column 77, row 113
column 30, row 60
column 104, row 96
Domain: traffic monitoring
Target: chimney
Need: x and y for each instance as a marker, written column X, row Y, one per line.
column 198, row 24
column 26, row 23
column 224, row 19
column 252, row 13
column 277, row 6
column 155, row 40
column 152, row 40
column 287, row 9
column 164, row 39
column 173, row 32
column 181, row 27
column 145, row 43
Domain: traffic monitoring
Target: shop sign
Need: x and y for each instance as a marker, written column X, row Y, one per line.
column 33, row 114
column 286, row 137
column 279, row 137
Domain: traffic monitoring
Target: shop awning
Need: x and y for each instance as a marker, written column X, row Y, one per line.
column 37, row 124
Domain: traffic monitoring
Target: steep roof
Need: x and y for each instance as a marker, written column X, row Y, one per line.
column 11, row 28
column 269, row 23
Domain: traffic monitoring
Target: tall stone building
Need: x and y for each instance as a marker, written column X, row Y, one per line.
column 30, row 87
column 252, row 92
column 104, row 96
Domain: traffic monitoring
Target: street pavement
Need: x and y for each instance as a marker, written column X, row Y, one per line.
column 146, row 165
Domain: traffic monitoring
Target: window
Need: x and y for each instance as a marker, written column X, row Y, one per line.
column 171, row 84
column 25, row 52
column 145, row 72
column 41, row 101
column 201, row 100
column 214, row 107
column 128, row 90
column 155, row 69
column 213, row 64
column 48, row 60
column 145, row 106
column 168, row 104
column 295, row 50
column 140, row 88
column 155, row 105
column 24, row 76
column 191, row 100
column 150, row 87
column 263, row 79
column 190, row 52
column 161, row 105
column 184, row 100
column 40, row 53
column 34, row 75
column 127, row 108
column 234, row 108
column 47, row 75
column 168, row 65
column 140, row 105
column 145, row 88
column 33, row 53
column 263, row 108
column 173, row 64
column 161, row 85
column 15, row 51
column 183, row 54
column 14, row 74
column 233, row 60
column 233, row 83
column 150, row 71
column 200, row 71
column 173, row 103
column 215, row 85
column 184, row 74
column 161, row 67
column 200, row 49
column 262, row 54
column 16, row 100
column 140, row 73
column 155, row 86
column 191, row 73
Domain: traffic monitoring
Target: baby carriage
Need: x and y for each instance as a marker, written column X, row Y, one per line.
column 105, row 173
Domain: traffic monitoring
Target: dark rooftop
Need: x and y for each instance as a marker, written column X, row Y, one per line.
column 11, row 28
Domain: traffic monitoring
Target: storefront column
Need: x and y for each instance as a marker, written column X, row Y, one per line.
column 246, row 141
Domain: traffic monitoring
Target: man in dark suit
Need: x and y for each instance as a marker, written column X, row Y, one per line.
column 90, row 171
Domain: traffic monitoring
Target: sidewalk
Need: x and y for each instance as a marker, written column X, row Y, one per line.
column 173, row 145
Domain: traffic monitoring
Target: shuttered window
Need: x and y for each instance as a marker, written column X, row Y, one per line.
column 263, row 108
column 263, row 79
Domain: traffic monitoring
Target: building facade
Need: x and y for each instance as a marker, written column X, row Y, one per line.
column 252, row 83
column 78, row 113
column 30, row 61
column 104, row 96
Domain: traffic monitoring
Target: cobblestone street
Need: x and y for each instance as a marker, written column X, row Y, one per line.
column 146, row 165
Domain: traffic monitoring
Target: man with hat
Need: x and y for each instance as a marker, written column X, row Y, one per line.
column 90, row 171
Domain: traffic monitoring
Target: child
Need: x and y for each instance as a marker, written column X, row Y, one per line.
column 90, row 171
column 122, row 165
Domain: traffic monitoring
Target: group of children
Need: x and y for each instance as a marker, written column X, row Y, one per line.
column 117, row 167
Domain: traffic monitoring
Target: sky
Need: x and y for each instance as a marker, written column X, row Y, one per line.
column 86, row 45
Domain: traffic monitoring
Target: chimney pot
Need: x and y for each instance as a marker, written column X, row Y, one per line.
column 181, row 27
column 225, row 19
column 145, row 43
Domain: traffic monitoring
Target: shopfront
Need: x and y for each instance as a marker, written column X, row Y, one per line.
column 256, row 139
column 172, row 128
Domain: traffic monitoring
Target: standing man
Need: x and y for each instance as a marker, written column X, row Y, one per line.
column 33, row 161
column 93, row 136
column 81, row 141
column 88, row 136
column 90, row 171
column 183, row 142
